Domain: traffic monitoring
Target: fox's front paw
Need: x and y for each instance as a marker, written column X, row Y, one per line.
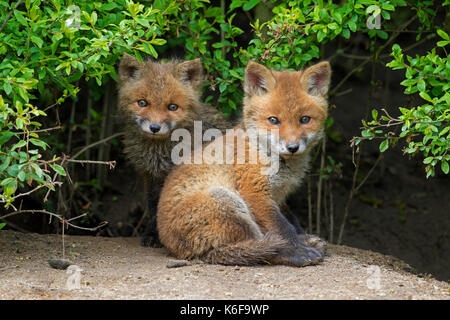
column 300, row 256
column 305, row 256
column 151, row 241
column 313, row 241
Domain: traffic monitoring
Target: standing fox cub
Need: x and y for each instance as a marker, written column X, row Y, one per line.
column 230, row 213
column 155, row 99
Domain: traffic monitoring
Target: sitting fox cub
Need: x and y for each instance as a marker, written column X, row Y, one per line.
column 229, row 213
column 155, row 99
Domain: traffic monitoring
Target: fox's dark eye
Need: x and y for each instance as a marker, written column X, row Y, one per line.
column 305, row 119
column 172, row 107
column 274, row 120
column 142, row 103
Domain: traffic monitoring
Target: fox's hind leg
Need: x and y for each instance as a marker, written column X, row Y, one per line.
column 270, row 219
column 215, row 226
column 299, row 252
column 310, row 239
column 150, row 238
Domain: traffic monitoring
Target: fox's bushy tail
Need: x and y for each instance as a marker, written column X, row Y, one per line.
column 248, row 252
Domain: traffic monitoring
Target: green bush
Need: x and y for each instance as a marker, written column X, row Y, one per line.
column 48, row 47
column 425, row 127
column 45, row 49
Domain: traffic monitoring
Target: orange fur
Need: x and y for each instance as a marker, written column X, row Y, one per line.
column 159, row 84
column 229, row 213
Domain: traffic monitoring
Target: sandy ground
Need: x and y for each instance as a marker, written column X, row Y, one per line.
column 119, row 268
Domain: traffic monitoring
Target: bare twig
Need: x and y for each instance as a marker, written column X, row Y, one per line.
column 97, row 143
column 10, row 14
column 319, row 186
column 41, row 130
column 62, row 219
column 54, row 177
column 87, row 152
column 111, row 164
column 380, row 157
column 35, row 189
column 310, row 226
column 330, row 191
column 348, row 75
column 141, row 221
column 222, row 32
column 349, row 200
column 71, row 122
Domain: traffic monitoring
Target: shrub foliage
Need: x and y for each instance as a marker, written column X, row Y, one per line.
column 48, row 47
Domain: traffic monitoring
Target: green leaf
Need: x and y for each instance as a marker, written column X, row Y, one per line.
column 2, row 225
column 109, row 6
column 250, row 4
column 158, row 42
column 389, row 7
column 19, row 144
column 213, row 12
column 38, row 41
column 7, row 87
column 374, row 114
column 148, row 48
column 425, row 96
column 443, row 34
column 60, row 170
column 38, row 143
column 384, row 145
column 346, row 33
column 444, row 167
column 428, row 160
column 5, row 136
column 352, row 26
column 421, row 85
column 336, row 15
column 21, row 175
column 7, row 181
column 20, row 18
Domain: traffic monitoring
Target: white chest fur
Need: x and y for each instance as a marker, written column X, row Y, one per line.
column 289, row 176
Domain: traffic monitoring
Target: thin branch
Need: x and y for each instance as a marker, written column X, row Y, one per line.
column 330, row 190
column 348, row 75
column 62, row 219
column 97, row 143
column 41, row 130
column 349, row 200
column 310, row 227
column 10, row 14
column 319, row 186
column 380, row 157
column 35, row 189
column 111, row 164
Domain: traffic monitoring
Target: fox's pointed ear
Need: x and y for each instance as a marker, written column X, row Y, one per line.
column 128, row 67
column 258, row 79
column 191, row 73
column 316, row 79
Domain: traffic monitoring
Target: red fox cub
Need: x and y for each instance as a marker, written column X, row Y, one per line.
column 229, row 213
column 155, row 98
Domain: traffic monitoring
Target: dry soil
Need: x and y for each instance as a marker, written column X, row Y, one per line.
column 119, row 268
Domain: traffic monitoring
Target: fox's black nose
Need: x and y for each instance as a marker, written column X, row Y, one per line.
column 154, row 127
column 292, row 147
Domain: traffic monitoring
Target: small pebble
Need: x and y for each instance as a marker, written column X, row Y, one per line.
column 178, row 263
column 59, row 264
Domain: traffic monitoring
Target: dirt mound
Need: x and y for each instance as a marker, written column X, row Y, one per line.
column 119, row 268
